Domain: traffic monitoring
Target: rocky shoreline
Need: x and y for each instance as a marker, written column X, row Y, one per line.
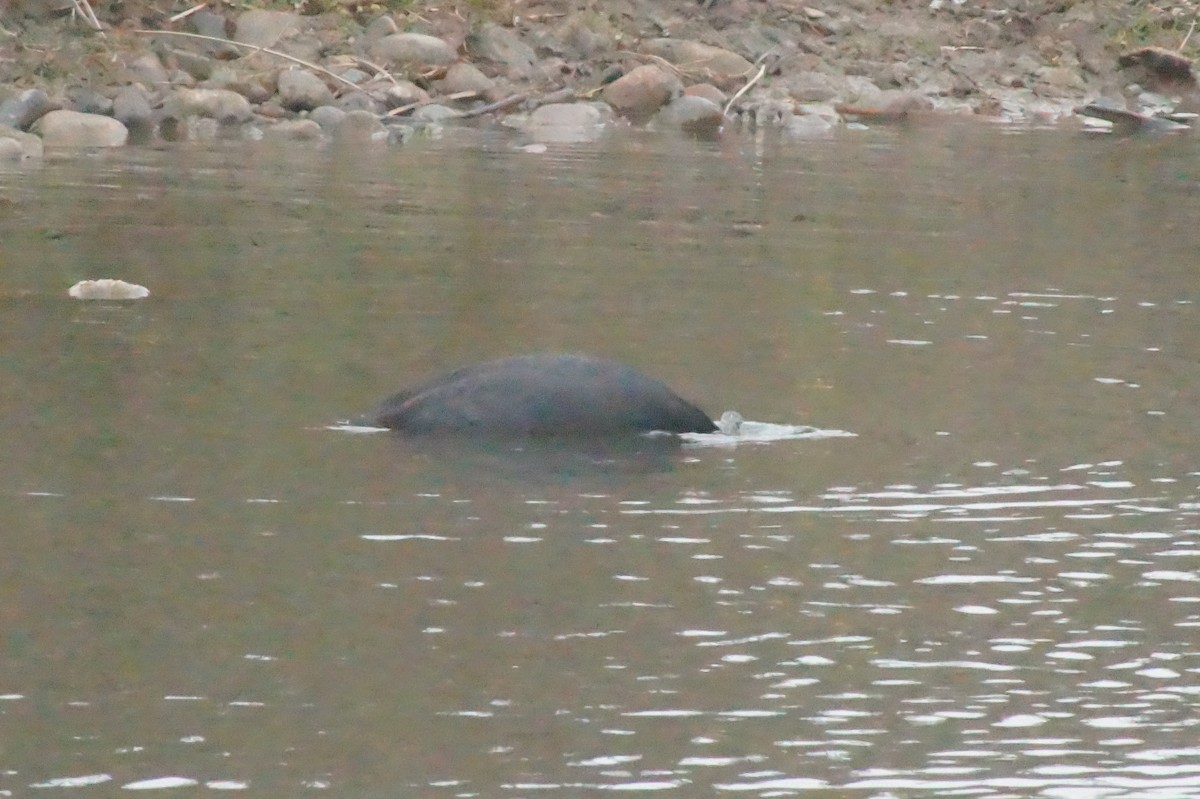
column 563, row 71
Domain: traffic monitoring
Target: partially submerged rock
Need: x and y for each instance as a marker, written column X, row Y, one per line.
column 107, row 289
column 223, row 105
column 21, row 145
column 76, row 130
column 301, row 90
column 692, row 114
column 642, row 91
column 565, row 123
column 542, row 395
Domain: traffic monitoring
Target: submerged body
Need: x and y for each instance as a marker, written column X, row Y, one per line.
column 543, row 395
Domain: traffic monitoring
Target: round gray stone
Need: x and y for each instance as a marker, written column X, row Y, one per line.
column 413, row 48
column 76, row 130
column 300, row 90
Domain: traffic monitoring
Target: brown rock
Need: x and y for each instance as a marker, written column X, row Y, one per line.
column 642, row 91
column 1160, row 69
column 708, row 92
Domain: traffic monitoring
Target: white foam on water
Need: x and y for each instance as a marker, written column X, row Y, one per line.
column 733, row 429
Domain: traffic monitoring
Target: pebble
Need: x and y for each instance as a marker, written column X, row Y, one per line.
column 464, row 77
column 76, row 130
column 294, row 130
column 148, row 69
column 208, row 23
column 329, row 117
column 413, row 48
column 808, row 126
column 10, row 150
column 434, row 112
column 380, row 27
column 132, row 109
column 502, row 46
column 361, row 126
column 301, row 90
column 25, row 108
column 196, row 65
column 708, row 92
column 89, row 101
column 263, row 28
column 222, row 105
column 399, row 134
column 583, row 41
column 29, row 144
column 360, row 101
column 404, row 92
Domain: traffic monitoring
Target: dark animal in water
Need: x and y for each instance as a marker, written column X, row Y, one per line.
column 543, row 395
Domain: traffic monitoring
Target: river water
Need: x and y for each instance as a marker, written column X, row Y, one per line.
column 990, row 589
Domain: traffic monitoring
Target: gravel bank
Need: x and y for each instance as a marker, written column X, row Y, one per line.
column 566, row 71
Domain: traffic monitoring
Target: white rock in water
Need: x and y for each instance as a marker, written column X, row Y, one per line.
column 107, row 289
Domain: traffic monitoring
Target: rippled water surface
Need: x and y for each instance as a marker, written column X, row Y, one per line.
column 991, row 589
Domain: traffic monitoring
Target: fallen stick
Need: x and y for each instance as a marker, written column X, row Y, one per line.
column 499, row 105
column 762, row 70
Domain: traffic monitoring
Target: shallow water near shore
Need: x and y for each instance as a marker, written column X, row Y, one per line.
column 991, row 589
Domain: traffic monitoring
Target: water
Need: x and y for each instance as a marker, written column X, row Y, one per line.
column 990, row 589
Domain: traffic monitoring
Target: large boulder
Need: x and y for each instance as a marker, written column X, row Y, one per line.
column 76, row 130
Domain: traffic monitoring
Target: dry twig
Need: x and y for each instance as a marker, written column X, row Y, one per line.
column 499, row 105
column 404, row 109
column 84, row 9
column 187, row 13
column 379, row 71
column 1191, row 29
column 762, row 70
